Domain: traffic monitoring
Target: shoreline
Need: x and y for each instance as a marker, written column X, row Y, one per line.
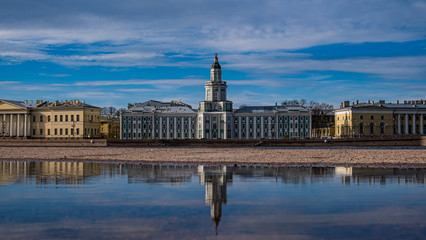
column 399, row 157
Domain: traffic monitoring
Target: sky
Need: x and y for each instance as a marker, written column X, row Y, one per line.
column 111, row 53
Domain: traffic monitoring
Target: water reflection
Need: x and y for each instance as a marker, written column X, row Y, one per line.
column 215, row 178
column 216, row 181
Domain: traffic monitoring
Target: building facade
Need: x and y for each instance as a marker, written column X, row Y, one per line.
column 215, row 118
column 380, row 119
column 110, row 127
column 44, row 119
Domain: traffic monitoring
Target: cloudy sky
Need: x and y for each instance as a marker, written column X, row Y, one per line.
column 111, row 53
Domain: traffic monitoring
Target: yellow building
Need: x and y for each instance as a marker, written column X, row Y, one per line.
column 323, row 126
column 44, row 119
column 380, row 119
column 110, row 127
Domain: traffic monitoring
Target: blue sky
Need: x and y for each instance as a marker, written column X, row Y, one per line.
column 111, row 53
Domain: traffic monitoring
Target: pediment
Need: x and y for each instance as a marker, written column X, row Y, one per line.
column 6, row 105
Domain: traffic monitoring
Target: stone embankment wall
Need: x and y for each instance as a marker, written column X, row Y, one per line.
column 365, row 142
column 53, row 142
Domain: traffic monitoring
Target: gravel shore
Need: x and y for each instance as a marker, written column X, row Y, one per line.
column 386, row 157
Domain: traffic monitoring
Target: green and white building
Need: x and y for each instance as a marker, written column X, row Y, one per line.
column 215, row 118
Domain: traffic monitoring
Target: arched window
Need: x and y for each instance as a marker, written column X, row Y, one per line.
column 382, row 128
column 372, row 128
column 361, row 128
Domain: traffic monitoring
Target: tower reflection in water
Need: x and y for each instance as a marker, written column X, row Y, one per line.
column 215, row 179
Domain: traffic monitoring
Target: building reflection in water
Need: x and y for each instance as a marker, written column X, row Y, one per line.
column 43, row 173
column 381, row 176
column 215, row 180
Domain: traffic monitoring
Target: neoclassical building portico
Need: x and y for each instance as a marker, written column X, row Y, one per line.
column 14, row 118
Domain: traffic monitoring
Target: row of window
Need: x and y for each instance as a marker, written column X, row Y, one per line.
column 361, row 117
column 66, row 131
column 371, row 128
column 164, row 135
column 60, row 118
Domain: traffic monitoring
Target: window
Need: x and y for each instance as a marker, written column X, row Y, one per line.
column 382, row 117
column 372, row 127
column 66, row 118
column 361, row 128
column 61, row 118
column 72, row 118
column 372, row 117
column 72, row 131
column 56, row 131
column 60, row 131
column 382, row 128
column 34, row 119
column 56, row 118
column 361, row 117
column 66, row 131
column 41, row 131
column 77, row 131
column 34, row 132
column 48, row 118
column 48, row 131
column 41, row 118
column 78, row 118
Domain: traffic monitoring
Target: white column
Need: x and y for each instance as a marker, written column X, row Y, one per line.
column 190, row 128
column 399, row 124
column 414, row 124
column 219, row 126
column 2, row 125
column 161, row 128
column 421, row 124
column 182, row 125
column 406, row 124
column 269, row 127
column 167, row 128
column 247, row 127
column 174, row 127
column 18, row 127
column 11, row 125
column 25, row 125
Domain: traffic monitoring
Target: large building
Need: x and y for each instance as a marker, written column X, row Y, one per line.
column 215, row 118
column 379, row 119
column 44, row 119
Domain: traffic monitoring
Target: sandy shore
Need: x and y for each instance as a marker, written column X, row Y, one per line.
column 285, row 156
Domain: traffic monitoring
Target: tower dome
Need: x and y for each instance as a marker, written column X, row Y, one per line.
column 216, row 64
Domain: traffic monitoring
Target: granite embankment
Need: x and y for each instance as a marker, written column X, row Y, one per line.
column 322, row 156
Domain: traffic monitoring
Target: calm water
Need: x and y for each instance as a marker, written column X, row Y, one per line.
column 58, row 200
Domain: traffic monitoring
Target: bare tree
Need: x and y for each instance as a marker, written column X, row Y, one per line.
column 321, row 113
column 112, row 111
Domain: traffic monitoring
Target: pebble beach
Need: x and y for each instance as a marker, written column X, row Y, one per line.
column 373, row 157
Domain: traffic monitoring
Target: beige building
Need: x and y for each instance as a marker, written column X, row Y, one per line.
column 380, row 119
column 44, row 119
column 110, row 127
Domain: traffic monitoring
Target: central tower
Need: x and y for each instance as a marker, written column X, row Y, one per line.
column 215, row 99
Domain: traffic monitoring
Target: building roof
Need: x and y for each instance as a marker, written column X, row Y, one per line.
column 25, row 104
column 406, row 105
column 66, row 104
column 260, row 109
column 161, row 109
column 216, row 62
column 154, row 103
